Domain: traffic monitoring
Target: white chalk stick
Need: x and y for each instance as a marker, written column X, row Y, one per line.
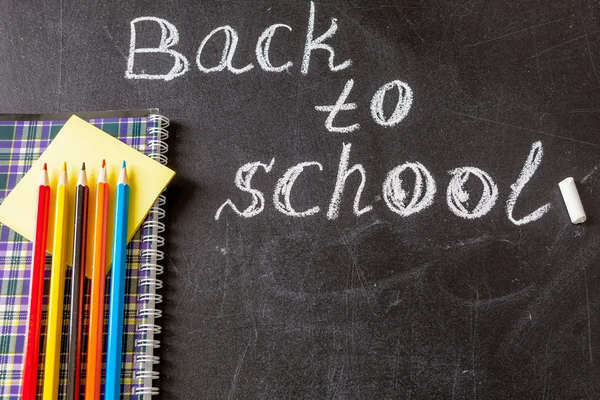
column 572, row 201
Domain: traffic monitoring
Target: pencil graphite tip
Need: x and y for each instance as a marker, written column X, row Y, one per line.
column 82, row 181
column 123, row 175
column 44, row 181
column 62, row 180
column 124, row 165
column 83, row 166
column 102, row 176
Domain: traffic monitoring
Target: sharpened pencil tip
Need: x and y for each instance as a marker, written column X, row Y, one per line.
column 123, row 175
column 83, row 166
column 82, row 181
column 124, row 164
column 62, row 180
column 102, row 176
column 44, row 178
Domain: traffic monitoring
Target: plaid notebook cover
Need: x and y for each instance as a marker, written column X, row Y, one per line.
column 21, row 143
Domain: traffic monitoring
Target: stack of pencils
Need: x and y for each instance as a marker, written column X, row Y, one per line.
column 95, row 346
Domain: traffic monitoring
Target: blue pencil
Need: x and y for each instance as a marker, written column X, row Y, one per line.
column 117, row 290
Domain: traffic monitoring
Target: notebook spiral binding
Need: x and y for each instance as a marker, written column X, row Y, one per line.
column 151, row 269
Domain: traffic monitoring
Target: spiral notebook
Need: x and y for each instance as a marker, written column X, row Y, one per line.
column 23, row 138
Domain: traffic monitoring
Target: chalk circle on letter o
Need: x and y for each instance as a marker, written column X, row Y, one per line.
column 405, row 98
column 457, row 196
column 396, row 197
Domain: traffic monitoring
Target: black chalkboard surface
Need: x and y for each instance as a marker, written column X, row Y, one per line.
column 395, row 229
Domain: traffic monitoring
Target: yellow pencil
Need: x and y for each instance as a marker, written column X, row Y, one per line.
column 57, row 292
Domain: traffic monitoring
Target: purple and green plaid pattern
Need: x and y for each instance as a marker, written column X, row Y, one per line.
column 21, row 143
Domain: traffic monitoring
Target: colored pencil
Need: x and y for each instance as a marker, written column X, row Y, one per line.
column 77, row 285
column 117, row 290
column 36, row 291
column 93, row 379
column 57, row 292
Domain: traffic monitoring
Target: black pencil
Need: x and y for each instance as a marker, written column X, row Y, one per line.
column 77, row 285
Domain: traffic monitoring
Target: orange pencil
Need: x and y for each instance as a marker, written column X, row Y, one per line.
column 94, row 353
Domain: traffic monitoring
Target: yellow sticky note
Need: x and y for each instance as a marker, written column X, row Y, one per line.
column 78, row 142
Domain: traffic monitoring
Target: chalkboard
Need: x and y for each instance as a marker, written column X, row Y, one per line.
column 366, row 203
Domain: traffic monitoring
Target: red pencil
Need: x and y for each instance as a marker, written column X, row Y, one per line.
column 36, row 290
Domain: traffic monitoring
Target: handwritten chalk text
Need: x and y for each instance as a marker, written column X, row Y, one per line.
column 175, row 64
column 401, row 200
